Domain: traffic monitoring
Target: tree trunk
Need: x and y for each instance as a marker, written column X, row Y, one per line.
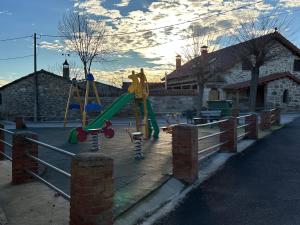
column 200, row 97
column 85, row 70
column 253, row 89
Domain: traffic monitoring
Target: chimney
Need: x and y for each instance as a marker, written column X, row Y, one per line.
column 178, row 62
column 204, row 50
column 66, row 70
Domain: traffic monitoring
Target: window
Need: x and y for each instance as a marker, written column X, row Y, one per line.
column 285, row 96
column 246, row 65
column 297, row 65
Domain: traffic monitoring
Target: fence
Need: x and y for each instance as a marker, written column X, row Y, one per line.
column 269, row 118
column 90, row 172
column 185, row 140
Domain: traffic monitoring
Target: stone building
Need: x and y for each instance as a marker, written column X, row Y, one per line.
column 279, row 82
column 17, row 97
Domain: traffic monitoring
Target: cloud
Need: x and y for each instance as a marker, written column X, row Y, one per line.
column 56, row 45
column 159, row 46
column 5, row 12
column 95, row 7
column 289, row 3
column 123, row 3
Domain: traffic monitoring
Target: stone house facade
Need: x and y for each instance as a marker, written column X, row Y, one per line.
column 17, row 97
column 231, row 74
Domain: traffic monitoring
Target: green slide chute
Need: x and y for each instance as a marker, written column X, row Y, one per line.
column 153, row 123
column 107, row 114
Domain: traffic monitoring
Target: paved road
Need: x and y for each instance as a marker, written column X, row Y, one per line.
column 259, row 187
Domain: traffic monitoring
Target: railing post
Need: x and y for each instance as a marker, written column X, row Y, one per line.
column 265, row 119
column 19, row 120
column 252, row 128
column 20, row 161
column 91, row 189
column 277, row 116
column 185, row 152
column 2, row 146
column 235, row 112
column 229, row 137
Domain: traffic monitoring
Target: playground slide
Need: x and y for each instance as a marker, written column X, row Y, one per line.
column 152, row 118
column 107, row 114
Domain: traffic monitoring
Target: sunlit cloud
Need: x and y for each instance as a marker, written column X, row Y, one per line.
column 123, row 3
column 138, row 31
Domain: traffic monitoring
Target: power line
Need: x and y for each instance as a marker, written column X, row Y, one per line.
column 167, row 26
column 17, row 57
column 16, row 38
column 213, row 32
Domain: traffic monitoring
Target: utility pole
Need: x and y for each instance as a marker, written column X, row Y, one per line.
column 35, row 80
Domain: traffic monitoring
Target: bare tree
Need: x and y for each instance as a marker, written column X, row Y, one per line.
column 257, row 39
column 203, row 66
column 86, row 37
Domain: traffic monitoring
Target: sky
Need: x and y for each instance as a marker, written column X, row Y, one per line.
column 145, row 33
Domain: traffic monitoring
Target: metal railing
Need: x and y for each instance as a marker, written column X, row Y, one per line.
column 211, row 135
column 6, row 144
column 58, row 170
column 273, row 116
column 211, row 123
column 241, row 136
column 48, row 165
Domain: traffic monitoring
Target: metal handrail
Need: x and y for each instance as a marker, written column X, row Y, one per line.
column 240, row 117
column 211, row 123
column 6, row 156
column 65, row 195
column 212, row 147
column 212, row 135
column 7, row 131
column 244, row 125
column 49, row 165
column 273, row 121
column 242, row 135
column 70, row 154
column 6, row 143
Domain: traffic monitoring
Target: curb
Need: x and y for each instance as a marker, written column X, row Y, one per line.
column 166, row 197
column 3, row 219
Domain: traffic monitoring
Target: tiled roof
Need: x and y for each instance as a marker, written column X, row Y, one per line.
column 226, row 58
column 262, row 80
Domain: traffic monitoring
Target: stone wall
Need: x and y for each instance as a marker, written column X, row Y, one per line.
column 17, row 99
column 165, row 104
column 275, row 90
column 53, row 90
column 283, row 62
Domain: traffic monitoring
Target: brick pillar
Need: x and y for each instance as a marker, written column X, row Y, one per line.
column 277, row 116
column 19, row 122
column 20, row 161
column 185, row 152
column 253, row 127
column 265, row 119
column 91, row 189
column 235, row 112
column 230, row 136
column 2, row 137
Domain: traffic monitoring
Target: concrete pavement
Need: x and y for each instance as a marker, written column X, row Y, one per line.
column 258, row 187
